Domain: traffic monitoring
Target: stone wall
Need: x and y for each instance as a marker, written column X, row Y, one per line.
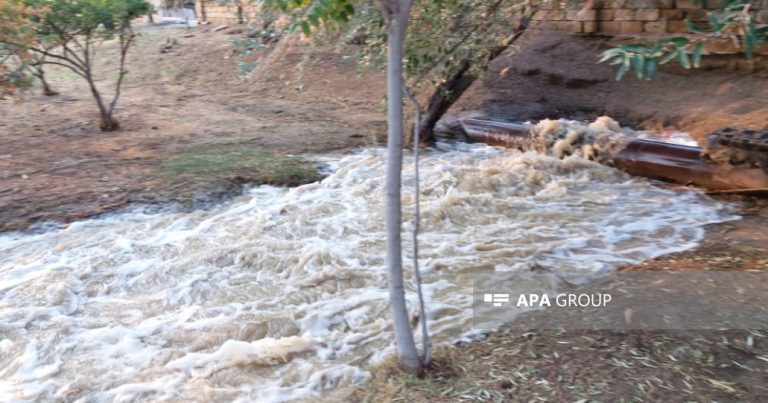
column 623, row 19
column 609, row 17
column 647, row 18
column 226, row 11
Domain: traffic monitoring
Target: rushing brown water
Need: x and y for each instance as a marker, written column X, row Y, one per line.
column 281, row 294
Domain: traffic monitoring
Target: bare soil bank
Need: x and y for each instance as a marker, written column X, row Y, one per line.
column 554, row 75
column 178, row 108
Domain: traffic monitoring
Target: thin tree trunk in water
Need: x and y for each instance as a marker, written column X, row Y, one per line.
column 450, row 90
column 426, row 348
column 397, row 13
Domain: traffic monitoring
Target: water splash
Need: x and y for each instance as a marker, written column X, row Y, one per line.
column 281, row 294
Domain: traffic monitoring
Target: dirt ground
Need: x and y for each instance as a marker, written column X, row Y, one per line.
column 580, row 366
column 554, row 75
column 55, row 164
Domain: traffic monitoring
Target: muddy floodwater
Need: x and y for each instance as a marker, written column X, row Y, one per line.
column 281, row 293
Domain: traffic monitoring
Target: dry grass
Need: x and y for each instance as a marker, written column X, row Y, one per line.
column 579, row 366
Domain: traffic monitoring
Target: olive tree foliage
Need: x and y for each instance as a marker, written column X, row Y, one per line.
column 69, row 33
column 450, row 44
column 16, row 38
column 732, row 21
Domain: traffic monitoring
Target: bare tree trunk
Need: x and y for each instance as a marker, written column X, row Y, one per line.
column 126, row 38
column 107, row 111
column 397, row 13
column 443, row 97
column 107, row 123
column 450, row 90
column 47, row 90
column 426, row 348
column 37, row 70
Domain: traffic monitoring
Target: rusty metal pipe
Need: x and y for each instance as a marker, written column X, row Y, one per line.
column 684, row 165
column 650, row 159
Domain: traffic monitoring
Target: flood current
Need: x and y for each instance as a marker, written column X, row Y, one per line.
column 281, row 293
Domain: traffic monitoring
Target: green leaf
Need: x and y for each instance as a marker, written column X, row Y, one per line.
column 622, row 70
column 610, row 53
column 650, row 68
column 635, row 47
column 679, row 41
column 749, row 46
column 693, row 27
column 750, row 39
column 683, row 59
column 714, row 24
column 638, row 64
column 314, row 20
column 305, row 28
column 669, row 56
column 697, row 53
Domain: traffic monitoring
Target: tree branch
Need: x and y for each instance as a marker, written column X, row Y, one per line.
column 75, row 68
column 125, row 43
column 72, row 64
column 426, row 348
column 492, row 10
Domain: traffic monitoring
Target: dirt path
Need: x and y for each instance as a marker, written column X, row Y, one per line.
column 56, row 165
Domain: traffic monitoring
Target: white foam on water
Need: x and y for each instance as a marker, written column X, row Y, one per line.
column 281, row 294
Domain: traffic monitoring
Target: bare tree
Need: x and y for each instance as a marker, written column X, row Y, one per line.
column 69, row 34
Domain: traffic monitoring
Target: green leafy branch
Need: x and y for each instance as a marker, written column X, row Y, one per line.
column 733, row 21
column 307, row 15
column 645, row 59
